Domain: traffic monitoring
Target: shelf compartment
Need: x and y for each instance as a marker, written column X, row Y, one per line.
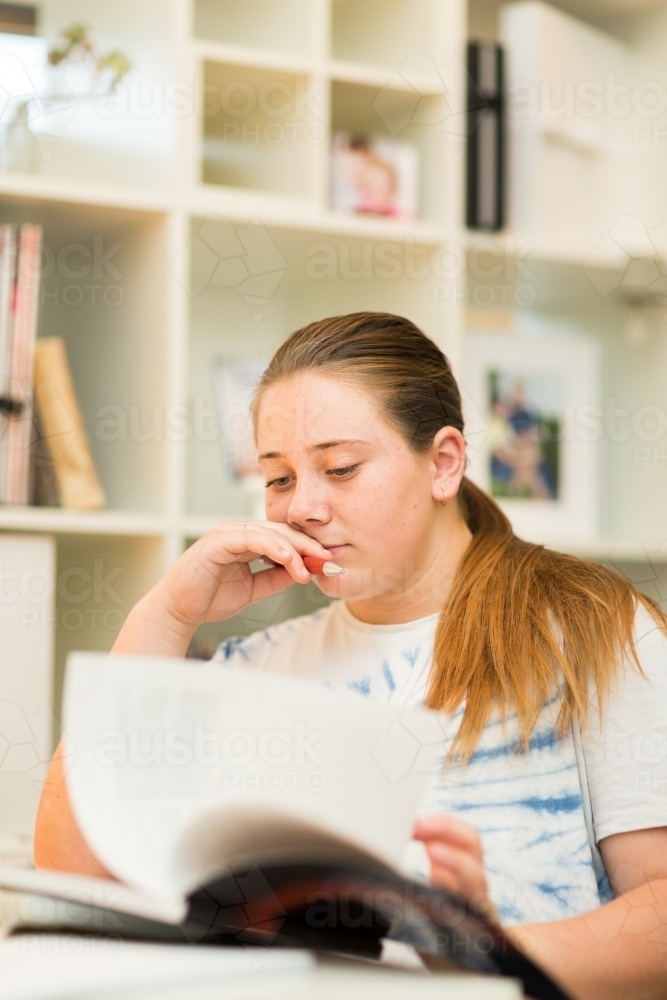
column 385, row 32
column 261, row 129
column 287, row 26
column 102, row 290
column 128, row 136
column 403, row 116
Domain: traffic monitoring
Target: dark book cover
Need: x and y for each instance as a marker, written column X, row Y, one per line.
column 486, row 137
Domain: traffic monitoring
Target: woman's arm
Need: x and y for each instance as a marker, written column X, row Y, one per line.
column 617, row 952
column 211, row 581
column 58, row 841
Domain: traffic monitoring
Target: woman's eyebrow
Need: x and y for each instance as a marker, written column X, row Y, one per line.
column 320, row 446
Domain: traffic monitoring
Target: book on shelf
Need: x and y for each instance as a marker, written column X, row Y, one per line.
column 45, row 458
column 62, row 465
column 20, row 277
column 7, row 279
column 244, row 807
column 485, row 207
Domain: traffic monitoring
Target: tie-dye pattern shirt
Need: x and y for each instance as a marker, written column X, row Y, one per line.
column 539, row 813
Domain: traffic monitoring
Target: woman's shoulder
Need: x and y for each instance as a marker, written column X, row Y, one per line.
column 275, row 647
column 650, row 639
column 640, row 679
column 625, row 744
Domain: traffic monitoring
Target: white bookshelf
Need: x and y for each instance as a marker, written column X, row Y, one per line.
column 154, row 180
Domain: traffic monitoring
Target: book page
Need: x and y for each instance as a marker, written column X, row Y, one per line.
column 174, row 768
column 98, row 893
column 54, row 967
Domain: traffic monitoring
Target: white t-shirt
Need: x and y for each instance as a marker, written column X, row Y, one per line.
column 541, row 813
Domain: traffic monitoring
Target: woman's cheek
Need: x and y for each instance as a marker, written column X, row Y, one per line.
column 389, row 582
column 275, row 505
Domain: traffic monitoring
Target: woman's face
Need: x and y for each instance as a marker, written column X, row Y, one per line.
column 338, row 471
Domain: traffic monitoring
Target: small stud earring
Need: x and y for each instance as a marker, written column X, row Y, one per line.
column 445, row 500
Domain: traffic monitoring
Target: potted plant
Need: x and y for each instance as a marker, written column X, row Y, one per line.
column 82, row 72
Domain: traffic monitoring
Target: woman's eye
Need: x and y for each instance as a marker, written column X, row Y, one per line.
column 284, row 482
column 344, row 472
column 281, row 483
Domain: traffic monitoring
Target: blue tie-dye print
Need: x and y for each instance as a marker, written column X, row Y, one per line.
column 528, row 806
column 362, row 686
column 389, row 677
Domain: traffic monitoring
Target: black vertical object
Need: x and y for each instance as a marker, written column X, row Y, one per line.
column 486, row 137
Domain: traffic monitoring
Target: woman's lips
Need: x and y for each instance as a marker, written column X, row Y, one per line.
column 336, row 550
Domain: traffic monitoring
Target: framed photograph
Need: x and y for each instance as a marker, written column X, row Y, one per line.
column 374, row 176
column 234, row 382
column 532, row 435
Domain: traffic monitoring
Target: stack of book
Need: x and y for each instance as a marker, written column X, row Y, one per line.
column 44, row 454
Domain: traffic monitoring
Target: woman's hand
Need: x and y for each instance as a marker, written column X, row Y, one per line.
column 212, row 581
column 454, row 849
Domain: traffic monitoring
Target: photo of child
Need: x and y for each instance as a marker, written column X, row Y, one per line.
column 373, row 176
column 525, row 423
column 234, row 383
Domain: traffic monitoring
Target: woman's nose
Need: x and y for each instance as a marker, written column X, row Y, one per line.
column 307, row 506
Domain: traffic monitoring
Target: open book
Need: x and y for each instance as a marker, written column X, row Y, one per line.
column 239, row 806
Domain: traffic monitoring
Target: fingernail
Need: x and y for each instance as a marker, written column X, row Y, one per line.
column 322, row 567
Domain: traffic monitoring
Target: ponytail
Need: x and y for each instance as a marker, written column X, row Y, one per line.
column 523, row 622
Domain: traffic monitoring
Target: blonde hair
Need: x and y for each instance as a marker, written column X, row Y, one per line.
column 521, row 622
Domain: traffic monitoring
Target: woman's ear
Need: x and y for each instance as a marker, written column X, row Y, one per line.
column 448, row 456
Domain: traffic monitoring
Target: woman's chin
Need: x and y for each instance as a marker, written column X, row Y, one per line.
column 352, row 585
column 333, row 586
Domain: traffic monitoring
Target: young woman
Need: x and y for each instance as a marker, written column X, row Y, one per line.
column 550, row 798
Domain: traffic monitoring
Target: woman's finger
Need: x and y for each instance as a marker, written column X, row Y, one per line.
column 244, row 542
column 459, row 867
column 444, row 878
column 252, row 542
column 449, row 830
column 302, row 542
column 268, row 582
